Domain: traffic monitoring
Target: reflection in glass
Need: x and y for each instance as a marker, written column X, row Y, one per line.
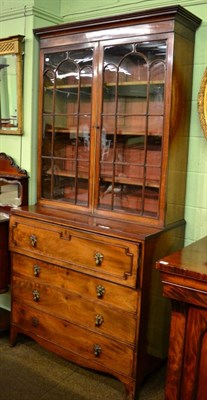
column 48, row 91
column 10, row 193
column 8, row 85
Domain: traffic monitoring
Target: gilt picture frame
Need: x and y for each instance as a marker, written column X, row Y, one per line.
column 11, row 85
column 202, row 103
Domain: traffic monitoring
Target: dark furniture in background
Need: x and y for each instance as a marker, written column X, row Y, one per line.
column 184, row 279
column 13, row 184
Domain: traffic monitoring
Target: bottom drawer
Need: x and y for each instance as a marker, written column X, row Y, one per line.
column 96, row 348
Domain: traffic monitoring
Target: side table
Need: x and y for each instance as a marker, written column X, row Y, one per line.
column 4, row 268
column 184, row 278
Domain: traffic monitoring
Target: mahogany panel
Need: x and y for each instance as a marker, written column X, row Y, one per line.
column 114, row 259
column 93, row 288
column 63, row 304
column 184, row 279
column 194, row 379
column 112, row 354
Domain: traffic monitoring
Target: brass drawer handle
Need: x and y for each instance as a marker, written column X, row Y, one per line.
column 98, row 320
column 33, row 240
column 96, row 350
column 98, row 258
column 36, row 295
column 100, row 290
column 36, row 270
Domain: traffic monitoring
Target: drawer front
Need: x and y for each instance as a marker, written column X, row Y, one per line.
column 114, row 259
column 76, row 309
column 108, row 293
column 93, row 347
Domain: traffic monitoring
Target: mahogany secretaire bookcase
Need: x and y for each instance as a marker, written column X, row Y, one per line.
column 114, row 112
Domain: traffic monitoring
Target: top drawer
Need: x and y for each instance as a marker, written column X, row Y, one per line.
column 109, row 258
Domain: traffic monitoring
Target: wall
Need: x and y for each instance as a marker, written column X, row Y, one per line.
column 21, row 16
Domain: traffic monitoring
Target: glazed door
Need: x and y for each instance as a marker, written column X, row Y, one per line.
column 131, row 127
column 66, row 126
column 102, row 132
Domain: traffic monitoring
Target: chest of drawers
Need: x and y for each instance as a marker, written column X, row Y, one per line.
column 84, row 293
column 112, row 163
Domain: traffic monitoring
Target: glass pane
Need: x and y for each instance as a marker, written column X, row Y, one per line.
column 155, row 125
column 59, row 145
column 85, row 90
column 110, row 72
column 132, row 93
column 69, row 192
column 82, row 193
column 48, row 84
column 151, row 201
column 67, row 82
column 47, row 135
column 132, row 127
column 153, row 50
column 46, row 178
column 59, row 182
column 83, row 159
column 73, row 196
column 52, row 60
column 131, row 124
column 156, row 88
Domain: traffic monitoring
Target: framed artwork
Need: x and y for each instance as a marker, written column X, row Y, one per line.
column 202, row 103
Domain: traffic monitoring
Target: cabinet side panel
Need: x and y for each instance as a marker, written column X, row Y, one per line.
column 155, row 310
column 179, row 129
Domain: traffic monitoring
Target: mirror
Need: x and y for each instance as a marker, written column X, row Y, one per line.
column 202, row 103
column 11, row 54
column 10, row 193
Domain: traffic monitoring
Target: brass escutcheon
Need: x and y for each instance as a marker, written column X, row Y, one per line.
column 98, row 258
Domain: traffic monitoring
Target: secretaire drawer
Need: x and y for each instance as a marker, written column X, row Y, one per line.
column 95, row 348
column 91, row 288
column 114, row 259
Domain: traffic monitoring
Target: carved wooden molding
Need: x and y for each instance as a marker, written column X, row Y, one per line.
column 8, row 167
column 202, row 103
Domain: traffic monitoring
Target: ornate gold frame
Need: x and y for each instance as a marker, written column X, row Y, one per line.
column 202, row 103
column 13, row 46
